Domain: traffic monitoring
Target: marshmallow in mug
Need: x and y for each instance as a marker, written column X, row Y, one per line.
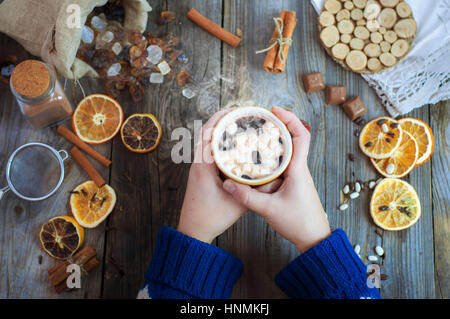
column 251, row 147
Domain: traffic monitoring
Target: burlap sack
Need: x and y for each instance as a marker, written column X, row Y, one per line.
column 41, row 27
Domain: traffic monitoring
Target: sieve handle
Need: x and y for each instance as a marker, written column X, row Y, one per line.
column 3, row 191
column 64, row 155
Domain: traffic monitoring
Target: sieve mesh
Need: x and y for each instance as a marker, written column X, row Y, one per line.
column 34, row 171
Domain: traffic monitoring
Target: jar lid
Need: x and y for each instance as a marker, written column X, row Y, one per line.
column 30, row 78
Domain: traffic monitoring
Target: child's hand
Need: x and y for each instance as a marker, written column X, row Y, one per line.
column 207, row 209
column 294, row 210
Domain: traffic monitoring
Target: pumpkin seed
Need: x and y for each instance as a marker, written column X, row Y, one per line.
column 346, row 189
column 379, row 250
column 354, row 195
column 390, row 168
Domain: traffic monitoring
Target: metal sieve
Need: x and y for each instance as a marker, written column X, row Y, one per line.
column 35, row 171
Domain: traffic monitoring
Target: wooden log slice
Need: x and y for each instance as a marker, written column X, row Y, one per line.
column 367, row 36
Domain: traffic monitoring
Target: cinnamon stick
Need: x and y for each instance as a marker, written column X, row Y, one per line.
column 290, row 21
column 61, row 287
column 91, row 264
column 213, row 28
column 71, row 137
column 271, row 55
column 58, row 266
column 87, row 166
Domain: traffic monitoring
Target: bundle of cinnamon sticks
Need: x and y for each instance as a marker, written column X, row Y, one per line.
column 274, row 58
column 86, row 258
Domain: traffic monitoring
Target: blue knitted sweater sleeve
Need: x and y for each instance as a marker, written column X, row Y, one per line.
column 330, row 269
column 185, row 268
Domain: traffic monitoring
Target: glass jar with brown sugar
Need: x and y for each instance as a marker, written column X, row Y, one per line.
column 39, row 94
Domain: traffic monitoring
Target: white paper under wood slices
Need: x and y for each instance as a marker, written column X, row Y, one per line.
column 367, row 36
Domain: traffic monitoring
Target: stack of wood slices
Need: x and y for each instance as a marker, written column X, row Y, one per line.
column 367, row 36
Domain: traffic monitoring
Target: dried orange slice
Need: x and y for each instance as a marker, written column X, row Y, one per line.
column 90, row 204
column 141, row 133
column 97, row 118
column 394, row 204
column 380, row 137
column 61, row 236
column 402, row 161
column 423, row 135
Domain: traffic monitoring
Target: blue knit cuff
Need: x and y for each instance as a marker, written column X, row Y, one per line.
column 330, row 269
column 191, row 268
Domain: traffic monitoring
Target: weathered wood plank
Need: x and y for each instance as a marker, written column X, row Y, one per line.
column 203, row 51
column 263, row 252
column 440, row 124
column 409, row 253
column 342, row 142
column 135, row 179
column 154, row 194
column 20, row 221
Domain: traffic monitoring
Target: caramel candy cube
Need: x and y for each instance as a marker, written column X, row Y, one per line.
column 354, row 108
column 335, row 95
column 313, row 82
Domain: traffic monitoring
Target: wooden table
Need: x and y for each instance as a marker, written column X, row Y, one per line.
column 151, row 187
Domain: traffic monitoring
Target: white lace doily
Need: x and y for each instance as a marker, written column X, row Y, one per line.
column 423, row 76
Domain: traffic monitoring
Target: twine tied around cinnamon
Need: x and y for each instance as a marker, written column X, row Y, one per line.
column 279, row 25
column 80, row 262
